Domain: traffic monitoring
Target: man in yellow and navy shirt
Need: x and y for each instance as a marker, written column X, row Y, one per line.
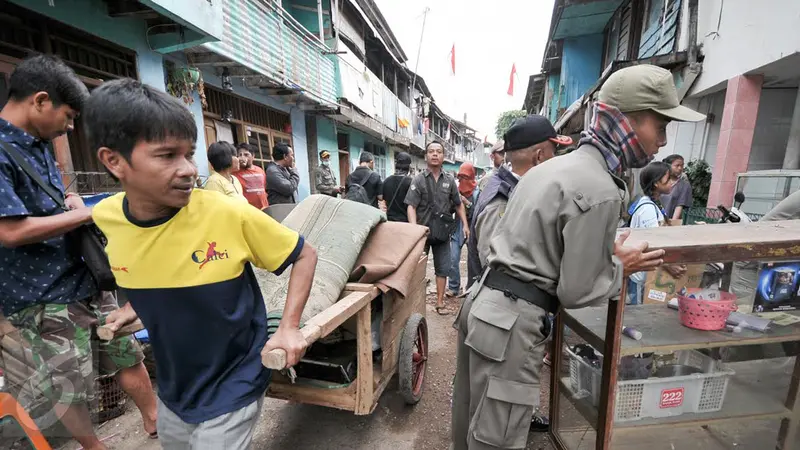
column 184, row 259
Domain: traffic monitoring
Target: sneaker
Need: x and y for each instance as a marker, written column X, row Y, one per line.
column 540, row 424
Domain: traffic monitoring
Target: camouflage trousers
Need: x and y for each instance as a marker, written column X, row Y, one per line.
column 55, row 351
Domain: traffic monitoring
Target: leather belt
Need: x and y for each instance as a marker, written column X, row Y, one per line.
column 520, row 290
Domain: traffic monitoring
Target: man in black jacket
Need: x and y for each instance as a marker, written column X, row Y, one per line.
column 395, row 189
column 367, row 178
column 282, row 176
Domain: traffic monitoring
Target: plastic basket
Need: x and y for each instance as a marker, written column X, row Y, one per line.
column 657, row 397
column 707, row 315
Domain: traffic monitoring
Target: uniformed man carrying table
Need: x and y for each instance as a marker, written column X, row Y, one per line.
column 556, row 247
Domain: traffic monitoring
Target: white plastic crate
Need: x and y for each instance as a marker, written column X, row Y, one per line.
column 658, row 397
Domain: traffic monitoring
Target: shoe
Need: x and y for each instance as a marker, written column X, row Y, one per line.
column 540, row 424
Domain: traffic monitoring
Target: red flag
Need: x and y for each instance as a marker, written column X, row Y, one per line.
column 453, row 59
column 511, row 80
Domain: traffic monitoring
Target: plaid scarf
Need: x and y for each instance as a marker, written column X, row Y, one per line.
column 612, row 133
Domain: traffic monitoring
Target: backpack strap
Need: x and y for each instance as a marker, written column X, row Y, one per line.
column 399, row 185
column 33, row 175
column 639, row 205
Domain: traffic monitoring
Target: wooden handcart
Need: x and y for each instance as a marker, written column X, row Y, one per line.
column 404, row 344
column 662, row 331
column 403, row 338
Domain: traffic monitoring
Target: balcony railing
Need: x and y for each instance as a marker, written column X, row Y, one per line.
column 364, row 89
column 449, row 149
column 262, row 36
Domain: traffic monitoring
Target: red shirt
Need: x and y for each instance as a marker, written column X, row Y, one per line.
column 254, row 181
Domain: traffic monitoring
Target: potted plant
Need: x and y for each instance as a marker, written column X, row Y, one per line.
column 183, row 82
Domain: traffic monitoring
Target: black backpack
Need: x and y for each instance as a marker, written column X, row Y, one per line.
column 356, row 191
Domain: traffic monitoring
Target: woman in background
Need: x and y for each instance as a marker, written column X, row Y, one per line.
column 647, row 212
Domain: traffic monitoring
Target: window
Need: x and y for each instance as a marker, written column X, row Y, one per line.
column 379, row 152
column 262, row 150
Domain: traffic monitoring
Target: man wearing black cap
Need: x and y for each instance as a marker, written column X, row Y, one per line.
column 556, row 247
column 529, row 142
column 326, row 180
column 395, row 188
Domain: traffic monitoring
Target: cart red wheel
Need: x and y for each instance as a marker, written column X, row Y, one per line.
column 413, row 358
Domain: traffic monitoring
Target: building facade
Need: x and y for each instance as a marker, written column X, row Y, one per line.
column 103, row 40
column 734, row 63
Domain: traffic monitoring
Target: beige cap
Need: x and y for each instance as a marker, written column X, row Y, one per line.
column 642, row 87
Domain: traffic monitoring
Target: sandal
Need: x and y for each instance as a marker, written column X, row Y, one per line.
column 439, row 310
column 153, row 435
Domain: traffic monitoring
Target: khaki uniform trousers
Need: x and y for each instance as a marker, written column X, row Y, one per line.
column 501, row 344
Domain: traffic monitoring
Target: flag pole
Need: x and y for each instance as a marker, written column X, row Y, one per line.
column 419, row 48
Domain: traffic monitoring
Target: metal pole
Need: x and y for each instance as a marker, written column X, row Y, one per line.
column 419, row 48
column 319, row 18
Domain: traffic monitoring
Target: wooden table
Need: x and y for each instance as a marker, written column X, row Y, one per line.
column 662, row 332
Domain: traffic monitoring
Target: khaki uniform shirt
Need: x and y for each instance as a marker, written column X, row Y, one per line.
column 445, row 197
column 559, row 228
column 326, row 180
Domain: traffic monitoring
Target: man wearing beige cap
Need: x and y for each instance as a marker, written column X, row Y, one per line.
column 497, row 156
column 325, row 178
column 555, row 248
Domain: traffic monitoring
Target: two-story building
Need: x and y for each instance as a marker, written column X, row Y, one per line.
column 102, row 40
column 733, row 62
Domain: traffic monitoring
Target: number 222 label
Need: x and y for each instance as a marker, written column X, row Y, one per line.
column 671, row 398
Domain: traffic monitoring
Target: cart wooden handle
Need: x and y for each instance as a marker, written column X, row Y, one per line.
column 324, row 323
column 108, row 334
column 276, row 359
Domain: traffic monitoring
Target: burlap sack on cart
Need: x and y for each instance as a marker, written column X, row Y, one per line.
column 337, row 229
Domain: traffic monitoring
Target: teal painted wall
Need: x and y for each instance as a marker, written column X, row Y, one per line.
column 326, row 140
column 310, row 19
column 556, row 101
column 449, row 167
column 581, row 65
column 92, row 17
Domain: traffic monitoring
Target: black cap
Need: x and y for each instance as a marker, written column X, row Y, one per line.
column 532, row 130
column 402, row 159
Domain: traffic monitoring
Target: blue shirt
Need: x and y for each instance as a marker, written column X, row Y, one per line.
column 44, row 272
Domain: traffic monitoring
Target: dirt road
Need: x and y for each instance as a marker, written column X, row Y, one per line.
column 393, row 425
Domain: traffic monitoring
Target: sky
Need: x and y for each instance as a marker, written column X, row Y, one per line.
column 489, row 36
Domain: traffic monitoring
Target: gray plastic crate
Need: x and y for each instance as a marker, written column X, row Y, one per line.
column 658, row 397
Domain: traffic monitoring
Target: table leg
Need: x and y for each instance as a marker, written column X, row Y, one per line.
column 605, row 422
column 787, row 436
column 556, row 359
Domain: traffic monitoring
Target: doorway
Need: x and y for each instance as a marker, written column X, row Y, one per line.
column 343, row 142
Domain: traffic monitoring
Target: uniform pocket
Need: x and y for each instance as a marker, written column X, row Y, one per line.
column 490, row 329
column 504, row 414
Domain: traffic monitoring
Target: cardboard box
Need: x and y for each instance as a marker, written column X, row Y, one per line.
column 660, row 286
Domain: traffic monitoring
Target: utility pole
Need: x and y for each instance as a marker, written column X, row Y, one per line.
column 419, row 49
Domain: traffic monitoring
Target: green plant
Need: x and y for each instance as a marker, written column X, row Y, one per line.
column 506, row 119
column 183, row 82
column 699, row 173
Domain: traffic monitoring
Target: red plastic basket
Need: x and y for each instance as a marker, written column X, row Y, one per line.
column 708, row 315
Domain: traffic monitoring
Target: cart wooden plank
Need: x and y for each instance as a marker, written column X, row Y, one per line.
column 766, row 241
column 339, row 398
column 662, row 331
column 323, row 324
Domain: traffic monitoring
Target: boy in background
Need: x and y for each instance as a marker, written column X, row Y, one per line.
column 184, row 259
